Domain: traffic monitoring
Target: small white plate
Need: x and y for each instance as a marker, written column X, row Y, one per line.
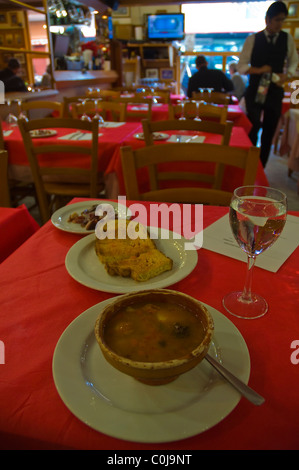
column 60, row 218
column 156, row 136
column 120, row 406
column 40, row 133
column 84, row 266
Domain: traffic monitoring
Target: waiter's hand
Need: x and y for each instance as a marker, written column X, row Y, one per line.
column 266, row 69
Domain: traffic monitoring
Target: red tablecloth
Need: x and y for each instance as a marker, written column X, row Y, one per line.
column 232, row 176
column 16, row 226
column 35, row 313
column 110, row 139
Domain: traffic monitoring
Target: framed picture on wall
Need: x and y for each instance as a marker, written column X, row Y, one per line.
column 9, row 39
column 152, row 73
column 167, row 74
column 13, row 19
column 296, row 33
column 121, row 12
column 18, row 40
column 3, row 18
column 293, row 10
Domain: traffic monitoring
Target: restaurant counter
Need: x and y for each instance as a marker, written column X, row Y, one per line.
column 40, row 300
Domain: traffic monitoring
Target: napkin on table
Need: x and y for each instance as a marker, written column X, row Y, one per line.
column 77, row 136
column 186, row 138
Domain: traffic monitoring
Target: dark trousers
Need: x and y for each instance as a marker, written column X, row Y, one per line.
column 265, row 116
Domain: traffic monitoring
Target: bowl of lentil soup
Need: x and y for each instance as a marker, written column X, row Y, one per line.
column 154, row 335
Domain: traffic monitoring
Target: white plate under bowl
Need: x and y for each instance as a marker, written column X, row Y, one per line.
column 85, row 267
column 120, row 406
column 61, row 216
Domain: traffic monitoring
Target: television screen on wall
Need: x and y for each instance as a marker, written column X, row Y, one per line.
column 166, row 27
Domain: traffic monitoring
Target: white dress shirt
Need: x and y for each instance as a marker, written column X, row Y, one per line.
column 245, row 56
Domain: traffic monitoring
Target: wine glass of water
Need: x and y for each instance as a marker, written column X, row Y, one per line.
column 257, row 216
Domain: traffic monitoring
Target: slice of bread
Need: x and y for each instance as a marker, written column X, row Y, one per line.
column 142, row 267
column 138, row 259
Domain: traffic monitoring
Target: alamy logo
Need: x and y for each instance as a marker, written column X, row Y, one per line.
column 137, row 227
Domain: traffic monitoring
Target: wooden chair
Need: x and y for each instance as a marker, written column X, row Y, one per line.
column 69, row 101
column 192, row 109
column 149, row 127
column 28, row 106
column 151, row 157
column 213, row 97
column 109, row 110
column 4, row 186
column 104, row 94
column 137, row 100
column 17, row 189
column 54, row 182
column 161, row 96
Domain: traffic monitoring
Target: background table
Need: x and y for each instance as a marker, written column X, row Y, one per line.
column 232, row 176
column 110, row 139
column 40, row 299
column 16, row 226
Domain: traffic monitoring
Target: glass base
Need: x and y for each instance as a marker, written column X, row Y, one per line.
column 234, row 304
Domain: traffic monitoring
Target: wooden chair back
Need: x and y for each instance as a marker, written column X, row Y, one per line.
column 149, row 127
column 104, row 94
column 160, row 96
column 28, row 106
column 154, row 156
column 4, row 186
column 57, row 180
column 199, row 109
column 137, row 100
column 69, row 101
column 213, row 97
column 109, row 110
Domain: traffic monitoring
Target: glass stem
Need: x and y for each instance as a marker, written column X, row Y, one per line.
column 246, row 295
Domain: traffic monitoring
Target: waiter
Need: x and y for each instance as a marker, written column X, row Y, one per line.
column 272, row 54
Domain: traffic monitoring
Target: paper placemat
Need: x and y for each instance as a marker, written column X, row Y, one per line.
column 77, row 136
column 218, row 237
column 7, row 133
column 198, row 139
column 113, row 124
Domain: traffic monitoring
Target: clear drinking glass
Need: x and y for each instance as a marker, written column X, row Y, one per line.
column 197, row 104
column 84, row 116
column 11, row 119
column 257, row 216
column 97, row 114
column 22, row 115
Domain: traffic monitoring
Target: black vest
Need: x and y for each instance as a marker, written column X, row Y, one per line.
column 264, row 53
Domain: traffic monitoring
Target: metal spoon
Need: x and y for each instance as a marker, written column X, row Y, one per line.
column 246, row 391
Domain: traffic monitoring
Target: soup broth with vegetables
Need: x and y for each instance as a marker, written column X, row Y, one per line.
column 153, row 332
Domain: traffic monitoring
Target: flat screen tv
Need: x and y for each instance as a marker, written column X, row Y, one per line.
column 166, row 27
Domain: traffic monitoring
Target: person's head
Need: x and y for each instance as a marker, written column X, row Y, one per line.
column 275, row 16
column 14, row 65
column 200, row 61
column 232, row 68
